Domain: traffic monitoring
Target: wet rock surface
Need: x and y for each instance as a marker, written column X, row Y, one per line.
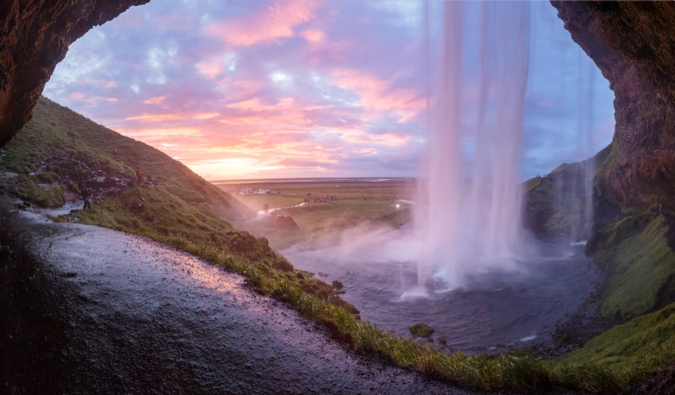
column 633, row 44
column 91, row 310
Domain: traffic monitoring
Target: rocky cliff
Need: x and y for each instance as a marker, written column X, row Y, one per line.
column 34, row 37
column 633, row 44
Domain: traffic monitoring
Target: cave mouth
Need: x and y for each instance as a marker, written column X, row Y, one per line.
column 233, row 97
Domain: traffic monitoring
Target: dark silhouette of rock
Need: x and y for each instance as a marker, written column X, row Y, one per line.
column 633, row 44
column 34, row 37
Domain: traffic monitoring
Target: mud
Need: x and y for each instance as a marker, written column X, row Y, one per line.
column 91, row 310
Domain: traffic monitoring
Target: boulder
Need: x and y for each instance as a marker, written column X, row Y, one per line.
column 422, row 330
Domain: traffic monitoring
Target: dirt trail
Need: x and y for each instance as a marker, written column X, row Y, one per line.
column 91, row 310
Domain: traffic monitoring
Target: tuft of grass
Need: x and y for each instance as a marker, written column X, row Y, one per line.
column 43, row 196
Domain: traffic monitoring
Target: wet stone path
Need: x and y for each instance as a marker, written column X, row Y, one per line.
column 92, row 310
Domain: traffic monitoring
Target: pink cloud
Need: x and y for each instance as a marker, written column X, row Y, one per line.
column 155, row 100
column 208, row 115
column 77, row 96
column 377, row 95
column 210, row 69
column 274, row 22
column 239, row 88
column 157, row 117
column 314, row 36
column 90, row 100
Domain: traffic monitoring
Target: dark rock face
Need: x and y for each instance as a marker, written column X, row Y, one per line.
column 633, row 44
column 34, row 37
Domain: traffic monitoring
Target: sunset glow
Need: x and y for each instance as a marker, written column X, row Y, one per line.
column 306, row 88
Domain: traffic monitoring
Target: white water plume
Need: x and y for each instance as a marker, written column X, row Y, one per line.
column 470, row 212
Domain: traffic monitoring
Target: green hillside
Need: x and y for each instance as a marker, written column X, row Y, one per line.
column 59, row 153
column 60, row 149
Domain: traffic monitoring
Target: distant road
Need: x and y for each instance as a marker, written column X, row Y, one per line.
column 92, row 310
column 314, row 180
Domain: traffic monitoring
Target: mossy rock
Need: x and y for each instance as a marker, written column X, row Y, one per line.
column 283, row 265
column 421, row 330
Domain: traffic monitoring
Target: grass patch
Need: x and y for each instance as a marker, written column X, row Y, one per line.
column 632, row 350
column 639, row 263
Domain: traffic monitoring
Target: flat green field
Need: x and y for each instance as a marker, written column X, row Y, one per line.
column 335, row 206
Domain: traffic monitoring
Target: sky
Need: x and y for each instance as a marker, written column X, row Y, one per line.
column 240, row 89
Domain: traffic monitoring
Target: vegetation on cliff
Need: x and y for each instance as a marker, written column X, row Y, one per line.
column 637, row 255
column 636, row 348
column 555, row 202
column 635, row 247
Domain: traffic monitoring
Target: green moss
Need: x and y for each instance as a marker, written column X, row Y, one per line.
column 43, row 196
column 632, row 350
column 639, row 263
column 421, row 330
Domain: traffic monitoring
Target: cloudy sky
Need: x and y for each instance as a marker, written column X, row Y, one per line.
column 310, row 88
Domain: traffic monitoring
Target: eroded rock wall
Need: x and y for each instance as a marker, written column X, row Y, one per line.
column 633, row 44
column 34, row 37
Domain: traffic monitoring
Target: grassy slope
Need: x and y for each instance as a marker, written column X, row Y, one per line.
column 630, row 245
column 59, row 141
column 639, row 262
column 636, row 348
column 179, row 207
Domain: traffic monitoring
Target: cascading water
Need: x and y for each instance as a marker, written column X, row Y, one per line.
column 574, row 182
column 470, row 193
column 585, row 149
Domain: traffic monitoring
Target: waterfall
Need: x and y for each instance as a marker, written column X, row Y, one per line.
column 586, row 150
column 470, row 193
column 573, row 183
